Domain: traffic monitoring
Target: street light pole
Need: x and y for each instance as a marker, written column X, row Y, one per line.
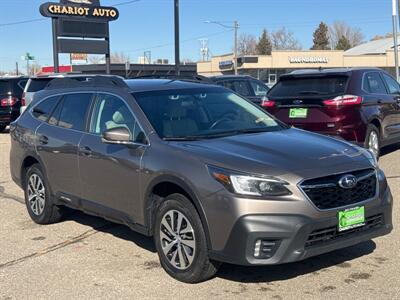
column 177, row 50
column 235, row 64
column 395, row 48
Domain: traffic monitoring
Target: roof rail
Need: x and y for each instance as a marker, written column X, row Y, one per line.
column 196, row 78
column 94, row 81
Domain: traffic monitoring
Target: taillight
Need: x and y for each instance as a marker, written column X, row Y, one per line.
column 9, row 101
column 23, row 100
column 344, row 100
column 265, row 102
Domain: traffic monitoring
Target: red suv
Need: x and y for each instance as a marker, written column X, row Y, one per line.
column 359, row 105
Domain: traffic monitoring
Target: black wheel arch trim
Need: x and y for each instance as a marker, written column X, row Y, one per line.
column 151, row 203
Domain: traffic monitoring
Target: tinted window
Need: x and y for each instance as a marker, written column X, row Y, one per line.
column 21, row 84
column 4, row 87
column 74, row 110
column 293, row 87
column 373, row 83
column 111, row 112
column 392, row 84
column 43, row 110
column 36, row 85
column 259, row 88
column 202, row 113
column 239, row 86
column 55, row 116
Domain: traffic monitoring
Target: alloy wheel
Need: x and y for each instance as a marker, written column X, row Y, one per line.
column 373, row 143
column 177, row 239
column 36, row 194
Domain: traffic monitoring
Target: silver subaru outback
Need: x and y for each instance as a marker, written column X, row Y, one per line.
column 211, row 176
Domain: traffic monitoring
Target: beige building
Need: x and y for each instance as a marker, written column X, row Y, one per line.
column 268, row 68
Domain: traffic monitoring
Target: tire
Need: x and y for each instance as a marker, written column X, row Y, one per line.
column 2, row 128
column 38, row 197
column 192, row 264
column 373, row 140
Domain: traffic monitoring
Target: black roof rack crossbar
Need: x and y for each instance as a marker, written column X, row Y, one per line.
column 195, row 78
column 94, row 81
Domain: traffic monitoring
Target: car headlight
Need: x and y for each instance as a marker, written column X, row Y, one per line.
column 371, row 157
column 245, row 184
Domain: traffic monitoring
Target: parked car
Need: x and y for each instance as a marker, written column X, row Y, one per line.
column 247, row 86
column 11, row 89
column 38, row 83
column 361, row 105
column 210, row 175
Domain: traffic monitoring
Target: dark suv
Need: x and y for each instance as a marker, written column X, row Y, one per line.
column 358, row 105
column 11, row 89
column 211, row 176
column 246, row 86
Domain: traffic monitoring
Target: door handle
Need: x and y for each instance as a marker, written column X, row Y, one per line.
column 43, row 140
column 86, row 151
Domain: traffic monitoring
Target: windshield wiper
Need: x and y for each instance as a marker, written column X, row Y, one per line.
column 216, row 135
column 184, row 138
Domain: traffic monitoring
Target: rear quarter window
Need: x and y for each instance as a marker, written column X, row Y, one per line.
column 293, row 87
column 373, row 83
column 36, row 85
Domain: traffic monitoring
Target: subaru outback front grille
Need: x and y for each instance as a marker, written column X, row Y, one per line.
column 327, row 193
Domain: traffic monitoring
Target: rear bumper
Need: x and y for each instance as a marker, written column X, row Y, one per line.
column 8, row 116
column 291, row 235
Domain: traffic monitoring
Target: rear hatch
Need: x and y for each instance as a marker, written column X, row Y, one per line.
column 307, row 101
column 5, row 93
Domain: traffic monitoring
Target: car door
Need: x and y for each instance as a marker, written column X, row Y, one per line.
column 110, row 173
column 394, row 91
column 58, row 139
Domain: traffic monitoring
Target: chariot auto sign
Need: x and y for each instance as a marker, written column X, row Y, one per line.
column 309, row 60
column 79, row 8
column 80, row 26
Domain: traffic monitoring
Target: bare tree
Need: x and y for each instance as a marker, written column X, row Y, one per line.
column 283, row 39
column 34, row 68
column 379, row 37
column 96, row 59
column 247, row 44
column 119, row 58
column 338, row 30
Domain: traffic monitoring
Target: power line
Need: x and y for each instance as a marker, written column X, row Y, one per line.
column 42, row 19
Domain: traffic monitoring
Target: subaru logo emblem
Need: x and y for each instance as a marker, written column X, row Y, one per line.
column 348, row 182
column 297, row 102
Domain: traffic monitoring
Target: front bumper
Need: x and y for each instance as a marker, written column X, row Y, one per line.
column 291, row 234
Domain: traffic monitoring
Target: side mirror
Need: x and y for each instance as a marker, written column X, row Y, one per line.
column 118, row 135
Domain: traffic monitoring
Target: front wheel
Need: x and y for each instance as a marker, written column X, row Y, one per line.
column 373, row 140
column 181, row 242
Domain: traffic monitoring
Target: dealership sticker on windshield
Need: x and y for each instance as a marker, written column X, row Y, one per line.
column 296, row 113
column 351, row 218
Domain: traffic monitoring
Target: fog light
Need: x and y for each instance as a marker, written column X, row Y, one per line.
column 257, row 248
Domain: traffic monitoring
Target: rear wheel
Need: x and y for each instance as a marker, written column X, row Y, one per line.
column 181, row 242
column 2, row 128
column 373, row 140
column 38, row 197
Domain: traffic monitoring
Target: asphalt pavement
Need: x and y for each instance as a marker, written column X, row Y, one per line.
column 85, row 257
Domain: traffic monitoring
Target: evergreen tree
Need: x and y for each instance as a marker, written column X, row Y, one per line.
column 343, row 44
column 264, row 45
column 321, row 38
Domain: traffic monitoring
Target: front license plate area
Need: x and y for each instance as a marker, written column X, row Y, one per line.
column 351, row 218
column 298, row 113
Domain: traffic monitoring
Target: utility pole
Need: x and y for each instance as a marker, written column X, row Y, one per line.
column 177, row 43
column 235, row 64
column 16, row 68
column 395, row 48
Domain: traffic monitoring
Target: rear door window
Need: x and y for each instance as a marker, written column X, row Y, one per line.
column 312, row 86
column 373, row 83
column 393, row 85
column 74, row 110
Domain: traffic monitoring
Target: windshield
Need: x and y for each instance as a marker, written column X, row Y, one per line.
column 203, row 113
column 313, row 86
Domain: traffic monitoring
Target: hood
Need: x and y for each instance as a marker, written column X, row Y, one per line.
column 291, row 151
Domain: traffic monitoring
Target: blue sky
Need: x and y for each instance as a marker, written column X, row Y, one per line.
column 148, row 25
